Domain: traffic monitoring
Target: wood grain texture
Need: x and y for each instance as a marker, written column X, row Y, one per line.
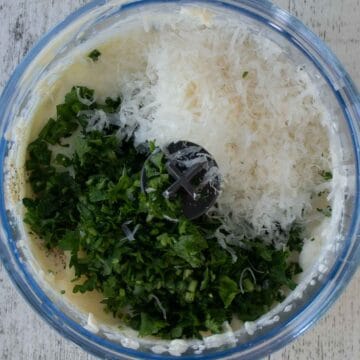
column 24, row 336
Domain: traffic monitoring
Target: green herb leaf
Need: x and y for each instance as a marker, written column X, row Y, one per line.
column 94, row 55
column 327, row 175
column 228, row 289
column 327, row 211
column 295, row 239
column 70, row 242
column 150, row 325
column 189, row 248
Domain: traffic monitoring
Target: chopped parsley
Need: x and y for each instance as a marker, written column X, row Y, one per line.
column 327, row 175
column 245, row 74
column 94, row 55
column 327, row 211
column 137, row 248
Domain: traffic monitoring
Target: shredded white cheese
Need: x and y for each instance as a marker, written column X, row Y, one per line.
column 238, row 96
column 92, row 324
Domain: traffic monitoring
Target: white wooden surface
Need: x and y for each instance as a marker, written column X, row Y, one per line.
column 24, row 336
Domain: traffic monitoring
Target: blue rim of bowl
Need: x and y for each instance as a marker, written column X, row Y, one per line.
column 96, row 345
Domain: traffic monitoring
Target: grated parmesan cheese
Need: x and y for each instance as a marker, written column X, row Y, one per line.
column 262, row 129
column 92, row 324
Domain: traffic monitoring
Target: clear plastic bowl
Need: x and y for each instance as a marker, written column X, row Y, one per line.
column 338, row 93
